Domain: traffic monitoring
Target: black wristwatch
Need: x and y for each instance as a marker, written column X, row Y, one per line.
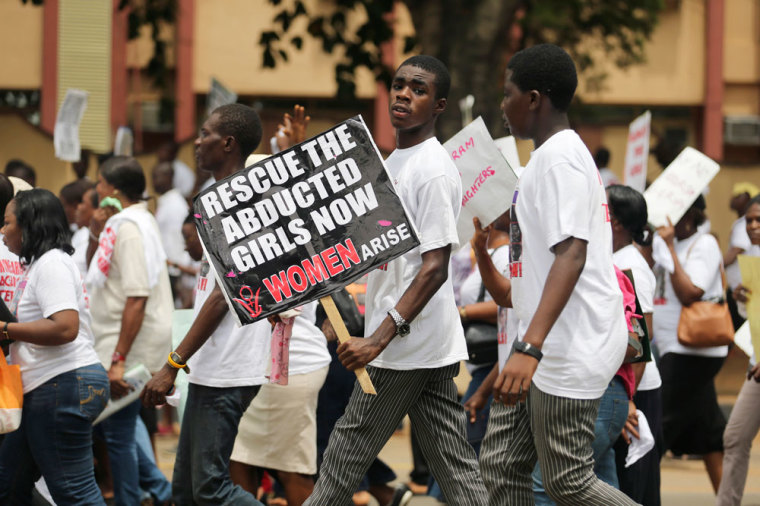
column 402, row 326
column 528, row 349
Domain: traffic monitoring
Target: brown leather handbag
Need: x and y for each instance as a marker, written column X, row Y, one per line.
column 706, row 323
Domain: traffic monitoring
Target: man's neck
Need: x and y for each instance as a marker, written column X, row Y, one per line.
column 227, row 170
column 408, row 139
column 555, row 123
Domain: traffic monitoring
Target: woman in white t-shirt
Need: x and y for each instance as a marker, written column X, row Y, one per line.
column 131, row 310
column 628, row 217
column 744, row 423
column 65, row 386
column 10, row 267
column 688, row 269
column 278, row 431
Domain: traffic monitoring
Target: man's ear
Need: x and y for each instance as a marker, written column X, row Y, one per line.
column 440, row 105
column 535, row 99
column 229, row 143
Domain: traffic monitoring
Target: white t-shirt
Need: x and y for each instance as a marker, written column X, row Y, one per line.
column 470, row 289
column 128, row 277
column 644, row 281
column 232, row 356
column 507, row 325
column 184, row 178
column 171, row 211
column 10, row 272
column 428, row 184
column 308, row 346
column 52, row 284
column 703, row 268
column 461, row 267
column 738, row 239
column 560, row 195
column 80, row 241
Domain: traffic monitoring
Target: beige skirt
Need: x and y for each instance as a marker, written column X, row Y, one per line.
column 279, row 428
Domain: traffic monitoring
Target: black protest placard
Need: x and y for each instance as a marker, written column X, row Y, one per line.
column 301, row 224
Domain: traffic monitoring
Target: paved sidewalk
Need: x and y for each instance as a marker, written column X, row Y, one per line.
column 684, row 482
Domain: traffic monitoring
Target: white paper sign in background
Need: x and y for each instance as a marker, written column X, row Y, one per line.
column 637, row 152
column 678, row 187
column 219, row 95
column 66, row 130
column 508, row 147
column 488, row 181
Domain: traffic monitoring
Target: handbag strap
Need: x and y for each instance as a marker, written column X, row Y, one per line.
column 723, row 281
column 482, row 293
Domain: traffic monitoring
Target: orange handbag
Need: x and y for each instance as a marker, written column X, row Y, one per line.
column 11, row 396
column 706, row 323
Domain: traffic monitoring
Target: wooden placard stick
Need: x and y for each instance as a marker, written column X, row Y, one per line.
column 340, row 329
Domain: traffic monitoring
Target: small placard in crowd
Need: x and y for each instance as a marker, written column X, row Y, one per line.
column 219, row 95
column 637, row 152
column 66, row 130
column 488, row 181
column 508, row 147
column 750, row 270
column 671, row 195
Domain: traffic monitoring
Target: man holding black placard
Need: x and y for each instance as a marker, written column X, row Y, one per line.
column 229, row 363
column 415, row 340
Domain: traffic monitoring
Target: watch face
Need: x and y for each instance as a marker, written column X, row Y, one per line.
column 404, row 329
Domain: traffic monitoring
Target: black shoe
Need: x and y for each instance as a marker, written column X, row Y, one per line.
column 401, row 496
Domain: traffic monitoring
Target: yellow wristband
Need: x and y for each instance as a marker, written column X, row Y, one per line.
column 175, row 364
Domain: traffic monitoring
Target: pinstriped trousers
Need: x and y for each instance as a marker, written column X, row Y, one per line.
column 429, row 396
column 557, row 431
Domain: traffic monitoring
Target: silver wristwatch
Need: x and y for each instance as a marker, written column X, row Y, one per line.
column 402, row 326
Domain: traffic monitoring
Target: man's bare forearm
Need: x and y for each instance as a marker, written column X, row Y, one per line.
column 432, row 274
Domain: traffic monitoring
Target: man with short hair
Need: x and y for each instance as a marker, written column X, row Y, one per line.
column 184, row 177
column 22, row 170
column 171, row 210
column 414, row 337
column 572, row 334
column 228, row 364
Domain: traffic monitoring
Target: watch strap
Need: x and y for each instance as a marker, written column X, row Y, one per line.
column 528, row 349
column 399, row 321
column 175, row 361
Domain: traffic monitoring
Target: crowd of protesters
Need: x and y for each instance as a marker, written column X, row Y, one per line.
column 581, row 296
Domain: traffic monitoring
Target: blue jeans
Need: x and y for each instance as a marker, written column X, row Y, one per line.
column 209, row 428
column 613, row 411
column 152, row 480
column 55, row 440
column 119, row 433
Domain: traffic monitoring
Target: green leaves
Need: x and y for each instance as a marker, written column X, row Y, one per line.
column 357, row 48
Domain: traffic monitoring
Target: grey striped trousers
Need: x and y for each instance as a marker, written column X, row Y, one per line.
column 429, row 396
column 557, row 431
